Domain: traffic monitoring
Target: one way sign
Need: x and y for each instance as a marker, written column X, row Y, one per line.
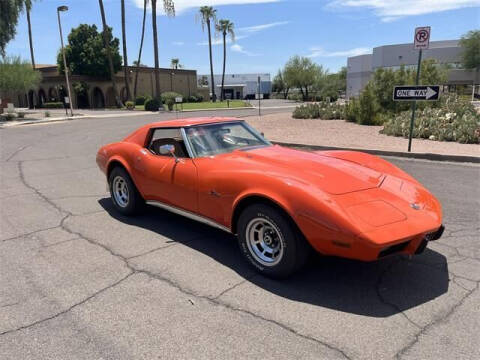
column 429, row 92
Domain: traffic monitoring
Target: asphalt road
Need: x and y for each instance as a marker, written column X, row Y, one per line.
column 78, row 281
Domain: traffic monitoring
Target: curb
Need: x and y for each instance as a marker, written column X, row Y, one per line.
column 424, row 156
column 216, row 109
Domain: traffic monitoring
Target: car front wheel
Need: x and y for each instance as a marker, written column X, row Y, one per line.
column 125, row 196
column 270, row 241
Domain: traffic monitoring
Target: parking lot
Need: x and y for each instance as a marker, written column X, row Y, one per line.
column 79, row 281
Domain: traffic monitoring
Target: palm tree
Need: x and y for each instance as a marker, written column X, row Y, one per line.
column 169, row 8
column 106, row 41
column 138, row 62
column 175, row 63
column 125, row 60
column 207, row 15
column 225, row 27
column 28, row 7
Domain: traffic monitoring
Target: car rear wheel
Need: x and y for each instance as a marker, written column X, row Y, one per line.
column 270, row 241
column 125, row 196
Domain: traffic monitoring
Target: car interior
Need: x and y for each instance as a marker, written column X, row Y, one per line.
column 168, row 137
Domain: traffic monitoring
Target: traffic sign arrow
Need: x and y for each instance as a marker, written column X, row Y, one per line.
column 429, row 92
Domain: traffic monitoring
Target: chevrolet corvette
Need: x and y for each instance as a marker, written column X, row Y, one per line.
column 281, row 203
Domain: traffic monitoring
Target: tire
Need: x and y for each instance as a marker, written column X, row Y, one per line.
column 125, row 196
column 270, row 241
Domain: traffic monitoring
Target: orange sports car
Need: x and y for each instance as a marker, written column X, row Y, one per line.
column 280, row 202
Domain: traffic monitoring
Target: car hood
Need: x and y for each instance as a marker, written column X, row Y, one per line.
column 334, row 176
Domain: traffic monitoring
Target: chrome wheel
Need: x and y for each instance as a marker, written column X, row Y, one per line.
column 264, row 241
column 120, row 191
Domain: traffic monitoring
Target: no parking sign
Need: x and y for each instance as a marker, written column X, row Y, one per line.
column 422, row 37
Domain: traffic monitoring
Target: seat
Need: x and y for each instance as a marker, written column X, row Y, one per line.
column 180, row 150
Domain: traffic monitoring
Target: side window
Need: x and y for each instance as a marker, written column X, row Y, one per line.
column 173, row 137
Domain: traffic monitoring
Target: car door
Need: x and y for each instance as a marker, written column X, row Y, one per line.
column 168, row 179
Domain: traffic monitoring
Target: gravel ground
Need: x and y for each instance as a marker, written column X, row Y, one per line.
column 339, row 133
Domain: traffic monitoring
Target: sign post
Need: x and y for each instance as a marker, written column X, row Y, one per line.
column 259, row 112
column 421, row 41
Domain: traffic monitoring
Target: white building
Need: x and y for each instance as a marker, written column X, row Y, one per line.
column 239, row 86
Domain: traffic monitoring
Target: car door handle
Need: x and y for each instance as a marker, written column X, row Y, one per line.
column 214, row 193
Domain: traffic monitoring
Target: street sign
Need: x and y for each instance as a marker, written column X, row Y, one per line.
column 178, row 99
column 67, row 100
column 404, row 93
column 422, row 38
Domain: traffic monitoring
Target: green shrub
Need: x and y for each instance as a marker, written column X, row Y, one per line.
column 351, row 110
column 21, row 114
column 53, row 105
column 199, row 98
column 129, row 105
column 47, row 114
column 140, row 100
column 152, row 104
column 368, row 107
column 168, row 98
column 455, row 120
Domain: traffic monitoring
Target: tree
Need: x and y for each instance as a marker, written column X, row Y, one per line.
column 470, row 43
column 138, row 63
column 207, row 15
column 106, row 42
column 124, row 43
column 28, row 8
column 17, row 75
column 280, row 85
column 169, row 8
column 225, row 27
column 86, row 54
column 175, row 63
column 302, row 73
column 9, row 13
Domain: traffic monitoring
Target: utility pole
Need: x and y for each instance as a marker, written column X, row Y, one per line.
column 65, row 8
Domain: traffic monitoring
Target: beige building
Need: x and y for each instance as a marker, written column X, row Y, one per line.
column 96, row 93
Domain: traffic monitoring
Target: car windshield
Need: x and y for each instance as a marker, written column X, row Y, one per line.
column 213, row 139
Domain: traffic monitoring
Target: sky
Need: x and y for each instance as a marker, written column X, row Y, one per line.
column 268, row 32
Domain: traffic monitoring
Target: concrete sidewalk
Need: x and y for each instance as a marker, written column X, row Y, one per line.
column 282, row 128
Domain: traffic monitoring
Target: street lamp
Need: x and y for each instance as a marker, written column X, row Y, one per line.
column 65, row 8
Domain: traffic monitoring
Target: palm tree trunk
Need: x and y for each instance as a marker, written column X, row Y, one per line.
column 140, row 50
column 155, row 48
column 222, row 95
column 125, row 60
column 109, row 54
column 211, row 60
column 30, row 37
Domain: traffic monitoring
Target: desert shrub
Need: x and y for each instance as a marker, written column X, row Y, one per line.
column 454, row 120
column 351, row 110
column 53, row 105
column 21, row 114
column 140, row 100
column 47, row 114
column 168, row 98
column 152, row 105
column 130, row 105
column 8, row 116
column 368, row 107
column 324, row 111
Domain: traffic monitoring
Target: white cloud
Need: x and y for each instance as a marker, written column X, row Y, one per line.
column 219, row 40
column 178, row 43
column 182, row 5
column 257, row 28
column 239, row 48
column 390, row 10
column 320, row 52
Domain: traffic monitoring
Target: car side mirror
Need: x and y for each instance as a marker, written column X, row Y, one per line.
column 168, row 149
